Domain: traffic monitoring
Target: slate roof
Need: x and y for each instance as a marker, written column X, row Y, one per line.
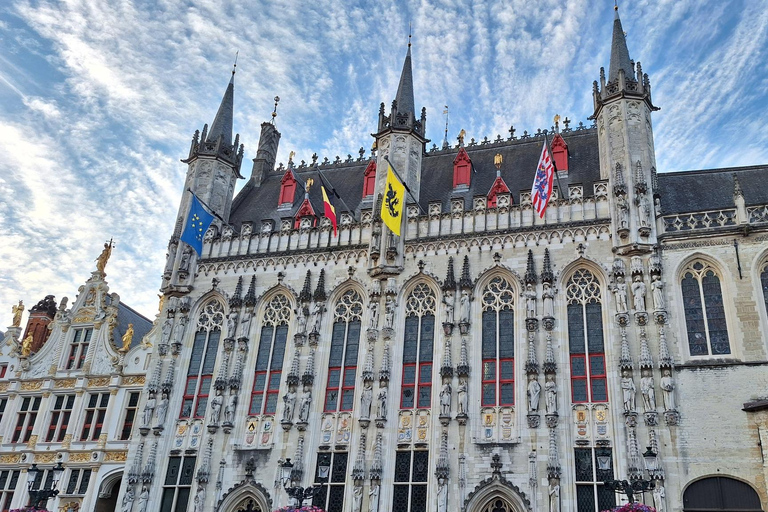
column 257, row 203
column 711, row 189
column 127, row 315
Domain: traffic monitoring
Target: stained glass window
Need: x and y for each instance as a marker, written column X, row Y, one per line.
column 704, row 311
column 585, row 338
column 764, row 283
column 345, row 344
column 498, row 343
column 270, row 355
column 418, row 344
column 411, row 476
column 202, row 361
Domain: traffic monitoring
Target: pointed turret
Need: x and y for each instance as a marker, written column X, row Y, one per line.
column 619, row 52
column 222, row 123
column 404, row 98
column 403, row 113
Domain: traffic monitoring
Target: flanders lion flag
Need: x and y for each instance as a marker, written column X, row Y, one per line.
column 394, row 201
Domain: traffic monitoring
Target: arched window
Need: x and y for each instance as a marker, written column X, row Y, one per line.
column 764, row 283
column 498, row 343
column 585, row 338
column 345, row 342
column 369, row 179
column 704, row 311
column 269, row 359
column 720, row 493
column 416, row 389
column 202, row 360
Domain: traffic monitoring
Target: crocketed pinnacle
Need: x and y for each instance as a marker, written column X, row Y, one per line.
column 619, row 52
column 222, row 123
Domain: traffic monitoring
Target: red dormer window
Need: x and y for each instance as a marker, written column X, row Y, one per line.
column 369, row 179
column 287, row 188
column 305, row 210
column 560, row 153
column 498, row 187
column 462, row 169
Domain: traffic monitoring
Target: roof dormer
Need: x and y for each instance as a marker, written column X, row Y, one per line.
column 369, row 179
column 462, row 170
column 287, row 190
column 560, row 153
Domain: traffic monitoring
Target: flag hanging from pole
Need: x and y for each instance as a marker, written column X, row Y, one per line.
column 198, row 221
column 330, row 210
column 393, row 203
column 542, row 183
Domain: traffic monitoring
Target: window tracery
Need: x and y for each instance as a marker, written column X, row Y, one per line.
column 418, row 343
column 270, row 355
column 498, row 343
column 202, row 360
column 704, row 310
column 345, row 344
column 585, row 338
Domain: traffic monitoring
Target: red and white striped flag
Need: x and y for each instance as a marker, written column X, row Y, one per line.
column 542, row 183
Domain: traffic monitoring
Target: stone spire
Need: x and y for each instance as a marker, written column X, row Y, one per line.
column 236, row 300
column 547, row 276
column 222, row 123
column 619, row 52
column 306, row 291
column 134, row 475
column 309, row 372
column 404, row 98
column 250, row 296
column 466, row 281
column 297, row 472
column 442, row 468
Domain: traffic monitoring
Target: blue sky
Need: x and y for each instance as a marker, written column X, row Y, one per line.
column 99, row 100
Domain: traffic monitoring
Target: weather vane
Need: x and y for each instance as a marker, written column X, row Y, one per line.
column 274, row 112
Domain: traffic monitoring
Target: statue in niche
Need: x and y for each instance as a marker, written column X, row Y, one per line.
column 149, row 409
column 171, row 256
column 289, row 399
column 530, row 301
column 128, row 498
column 389, row 314
column 373, row 306
column 534, row 394
column 357, row 498
column 200, row 499
column 628, row 391
column 647, row 390
column 659, row 493
column 549, row 300
column 143, row 499
column 17, row 311
column 442, row 495
column 245, row 324
column 620, row 292
column 178, row 333
column 373, row 498
column 185, row 256
column 302, row 319
column 231, row 324
column 448, row 300
column 461, row 391
column 167, row 328
column 216, row 404
column 554, row 497
column 657, row 290
column 382, row 405
column 638, row 294
column 464, row 305
column 317, row 314
column 162, row 409
column 445, row 400
column 623, row 208
column 376, row 236
column 550, row 393
column 306, row 401
column 366, row 399
column 667, row 385
column 643, row 211
column 229, row 410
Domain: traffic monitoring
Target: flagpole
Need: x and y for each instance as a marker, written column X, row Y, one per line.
column 554, row 166
column 333, row 189
column 392, row 166
column 209, row 208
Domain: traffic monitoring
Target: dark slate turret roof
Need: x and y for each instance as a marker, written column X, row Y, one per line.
column 712, row 189
column 619, row 52
column 222, row 123
column 255, row 204
column 404, row 98
column 127, row 315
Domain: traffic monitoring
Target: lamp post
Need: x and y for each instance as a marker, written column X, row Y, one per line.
column 49, row 490
column 297, row 493
column 633, row 486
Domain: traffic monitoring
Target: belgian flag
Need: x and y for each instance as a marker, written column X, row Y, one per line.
column 329, row 210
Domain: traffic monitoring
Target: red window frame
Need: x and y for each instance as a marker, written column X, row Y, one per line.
column 425, row 383
column 189, row 397
column 369, row 179
column 3, row 370
column 333, row 385
column 273, row 390
column 489, row 379
column 287, row 189
column 502, row 381
column 408, row 383
column 94, row 417
column 257, row 391
column 596, row 377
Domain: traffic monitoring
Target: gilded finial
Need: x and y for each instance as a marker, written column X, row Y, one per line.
column 290, row 156
column 274, row 112
column 309, row 184
column 497, row 160
column 462, row 133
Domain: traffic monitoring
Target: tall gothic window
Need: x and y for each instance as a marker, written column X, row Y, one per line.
column 411, row 476
column 269, row 359
column 416, row 389
column 593, row 467
column 202, row 360
column 704, row 311
column 764, row 283
column 498, row 343
column 585, row 338
column 345, row 342
column 331, row 495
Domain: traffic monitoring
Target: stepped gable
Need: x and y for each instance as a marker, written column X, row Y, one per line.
column 127, row 315
column 712, row 189
column 257, row 203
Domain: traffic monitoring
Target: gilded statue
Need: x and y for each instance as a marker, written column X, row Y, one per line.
column 17, row 310
column 127, row 339
column 101, row 261
column 26, row 345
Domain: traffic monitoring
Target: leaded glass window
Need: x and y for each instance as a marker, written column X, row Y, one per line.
column 585, row 338
column 418, row 342
column 345, row 344
column 704, row 311
column 177, row 484
column 331, row 496
column 591, row 493
column 764, row 283
column 411, row 475
column 270, row 355
column 498, row 343
column 202, row 360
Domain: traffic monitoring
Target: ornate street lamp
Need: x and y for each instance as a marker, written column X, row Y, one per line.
column 296, row 493
column 48, row 491
column 632, row 487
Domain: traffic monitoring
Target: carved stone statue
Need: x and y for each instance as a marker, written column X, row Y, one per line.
column 231, row 324
column 373, row 306
column 178, row 332
column 464, row 305
column 657, row 289
column 667, row 385
column 245, row 323
column 530, row 301
column 389, row 314
column 216, row 404
column 461, row 391
column 549, row 300
column 357, row 498
column 382, row 405
column 167, row 328
column 302, row 319
column 620, row 292
column 648, row 391
column 550, row 392
column 127, row 339
column 534, row 394
column 445, row 400
column 643, row 211
column 290, row 403
column 186, row 254
column 366, row 399
column 448, row 301
column 306, row 401
column 373, row 498
column 17, row 310
column 442, row 495
column 376, row 236
column 317, row 315
column 623, row 208
column 200, row 499
column 128, row 498
column 229, row 410
column 26, row 345
column 628, row 391
column 638, row 294
column 659, row 493
column 170, row 257
column 162, row 409
column 101, row 261
column 143, row 499
column 554, row 497
column 149, row 409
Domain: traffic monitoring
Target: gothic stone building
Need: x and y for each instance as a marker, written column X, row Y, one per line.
column 69, row 392
column 485, row 360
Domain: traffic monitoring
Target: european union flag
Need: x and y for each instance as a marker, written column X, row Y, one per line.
column 197, row 224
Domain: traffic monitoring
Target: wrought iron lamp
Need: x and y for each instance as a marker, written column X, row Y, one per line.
column 632, row 487
column 297, row 493
column 49, row 489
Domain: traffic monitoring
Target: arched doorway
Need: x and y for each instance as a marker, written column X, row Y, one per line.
column 720, row 493
column 246, row 496
column 108, row 491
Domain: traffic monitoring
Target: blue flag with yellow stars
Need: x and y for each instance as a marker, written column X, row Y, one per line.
column 197, row 224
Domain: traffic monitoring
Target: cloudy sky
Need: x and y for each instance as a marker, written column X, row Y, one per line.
column 99, row 100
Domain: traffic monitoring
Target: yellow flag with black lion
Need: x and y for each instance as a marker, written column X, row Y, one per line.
column 394, row 202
